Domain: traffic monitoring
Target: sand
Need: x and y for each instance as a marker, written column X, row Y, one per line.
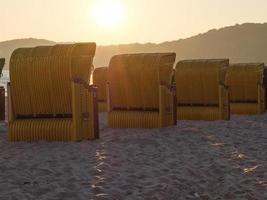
column 194, row 160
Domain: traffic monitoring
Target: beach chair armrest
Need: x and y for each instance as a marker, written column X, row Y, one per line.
column 224, row 101
column 225, row 87
column 261, row 94
column 10, row 111
column 85, row 109
column 85, row 85
column 170, row 87
column 261, row 85
column 167, row 105
column 109, row 103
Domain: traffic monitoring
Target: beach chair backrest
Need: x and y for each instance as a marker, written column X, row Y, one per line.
column 134, row 79
column 243, row 80
column 41, row 77
column 197, row 81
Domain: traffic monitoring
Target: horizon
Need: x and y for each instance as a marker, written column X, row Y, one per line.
column 111, row 22
column 141, row 43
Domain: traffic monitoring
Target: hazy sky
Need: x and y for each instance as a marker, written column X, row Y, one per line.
column 143, row 20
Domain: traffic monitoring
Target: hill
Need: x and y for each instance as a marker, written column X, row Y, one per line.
column 7, row 47
column 240, row 43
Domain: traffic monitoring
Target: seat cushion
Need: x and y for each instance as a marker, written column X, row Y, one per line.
column 133, row 119
column 40, row 129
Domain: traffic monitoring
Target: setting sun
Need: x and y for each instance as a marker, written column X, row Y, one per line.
column 108, row 13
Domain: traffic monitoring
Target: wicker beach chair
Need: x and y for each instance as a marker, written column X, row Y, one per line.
column 49, row 96
column 100, row 80
column 200, row 90
column 139, row 91
column 247, row 92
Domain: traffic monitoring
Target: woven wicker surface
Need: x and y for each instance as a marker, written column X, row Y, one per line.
column 134, row 84
column 197, row 81
column 134, row 79
column 243, row 80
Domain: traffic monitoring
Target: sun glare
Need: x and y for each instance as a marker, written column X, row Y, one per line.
column 108, row 13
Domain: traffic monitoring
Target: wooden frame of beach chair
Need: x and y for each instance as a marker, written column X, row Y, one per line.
column 201, row 91
column 139, row 91
column 247, row 90
column 2, row 92
column 100, row 80
column 49, row 96
column 2, row 64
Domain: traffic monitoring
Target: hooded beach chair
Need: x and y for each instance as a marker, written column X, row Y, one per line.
column 139, row 91
column 100, row 80
column 2, row 92
column 49, row 96
column 247, row 92
column 200, row 90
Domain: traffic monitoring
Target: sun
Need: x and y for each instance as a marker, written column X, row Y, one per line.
column 108, row 13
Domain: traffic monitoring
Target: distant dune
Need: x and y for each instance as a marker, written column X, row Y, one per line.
column 240, row 43
column 7, row 47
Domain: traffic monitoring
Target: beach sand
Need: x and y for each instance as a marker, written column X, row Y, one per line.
column 194, row 160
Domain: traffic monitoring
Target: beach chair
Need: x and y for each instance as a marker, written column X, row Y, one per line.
column 100, row 80
column 200, row 90
column 2, row 92
column 49, row 96
column 247, row 92
column 140, row 93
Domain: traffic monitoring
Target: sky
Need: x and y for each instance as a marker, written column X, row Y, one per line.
column 122, row 21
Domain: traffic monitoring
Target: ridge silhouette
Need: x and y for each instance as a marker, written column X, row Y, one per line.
column 239, row 43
